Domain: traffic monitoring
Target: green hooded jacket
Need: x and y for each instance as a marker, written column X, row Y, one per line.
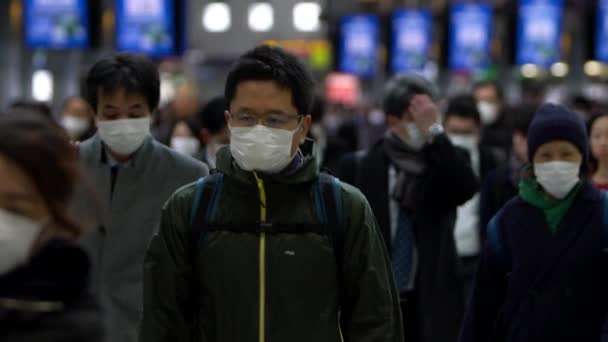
column 268, row 287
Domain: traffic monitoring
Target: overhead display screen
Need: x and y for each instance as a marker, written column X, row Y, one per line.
column 539, row 32
column 56, row 24
column 411, row 40
column 470, row 36
column 359, row 36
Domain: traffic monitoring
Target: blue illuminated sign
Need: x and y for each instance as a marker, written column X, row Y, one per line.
column 411, row 40
column 146, row 26
column 601, row 38
column 359, row 45
column 539, row 31
column 56, row 24
column 470, row 36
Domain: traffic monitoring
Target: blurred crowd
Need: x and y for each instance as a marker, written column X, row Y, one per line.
column 466, row 218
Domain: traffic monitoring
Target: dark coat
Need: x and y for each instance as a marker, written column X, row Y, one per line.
column 499, row 134
column 46, row 300
column 535, row 286
column 448, row 182
column 498, row 188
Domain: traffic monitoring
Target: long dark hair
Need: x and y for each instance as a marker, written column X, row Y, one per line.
column 45, row 153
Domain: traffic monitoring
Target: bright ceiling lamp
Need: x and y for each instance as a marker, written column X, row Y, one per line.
column 306, row 16
column 42, row 85
column 216, row 17
column 261, row 17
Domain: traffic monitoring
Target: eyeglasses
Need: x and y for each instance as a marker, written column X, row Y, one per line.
column 281, row 121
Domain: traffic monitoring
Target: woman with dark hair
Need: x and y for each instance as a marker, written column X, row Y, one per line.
column 43, row 273
column 598, row 136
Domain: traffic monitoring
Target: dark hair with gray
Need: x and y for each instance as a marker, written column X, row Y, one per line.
column 400, row 90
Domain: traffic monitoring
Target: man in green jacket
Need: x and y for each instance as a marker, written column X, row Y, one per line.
column 258, row 271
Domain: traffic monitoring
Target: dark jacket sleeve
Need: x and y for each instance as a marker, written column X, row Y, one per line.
column 168, row 275
column 372, row 312
column 488, row 292
column 449, row 180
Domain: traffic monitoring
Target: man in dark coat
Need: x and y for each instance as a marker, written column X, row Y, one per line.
column 414, row 179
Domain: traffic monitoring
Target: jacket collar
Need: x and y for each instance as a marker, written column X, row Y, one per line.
column 94, row 153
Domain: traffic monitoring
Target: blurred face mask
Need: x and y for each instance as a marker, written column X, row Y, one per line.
column 261, row 148
column 416, row 139
column 488, row 111
column 186, row 145
column 466, row 141
column 558, row 178
column 74, row 126
column 124, row 136
column 17, row 236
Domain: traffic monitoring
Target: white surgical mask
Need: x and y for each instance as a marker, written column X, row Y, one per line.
column 558, row 178
column 416, row 139
column 17, row 236
column 261, row 148
column 488, row 111
column 74, row 126
column 124, row 136
column 467, row 141
column 185, row 145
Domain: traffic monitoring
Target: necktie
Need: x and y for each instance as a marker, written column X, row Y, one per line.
column 403, row 250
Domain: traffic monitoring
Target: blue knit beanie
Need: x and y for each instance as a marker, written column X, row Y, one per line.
column 553, row 122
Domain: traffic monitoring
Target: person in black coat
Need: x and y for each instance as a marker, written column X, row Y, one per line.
column 414, row 179
column 542, row 274
column 501, row 184
column 463, row 126
column 44, row 274
column 492, row 107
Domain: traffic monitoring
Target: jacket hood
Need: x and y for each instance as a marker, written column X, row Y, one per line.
column 307, row 172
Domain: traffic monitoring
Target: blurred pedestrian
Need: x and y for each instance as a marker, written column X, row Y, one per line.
column 330, row 148
column 246, row 254
column 502, row 184
column 77, row 118
column 598, row 131
column 44, row 274
column 184, row 106
column 215, row 133
column 134, row 175
column 462, row 124
column 415, row 179
column 185, row 138
column 496, row 131
column 542, row 275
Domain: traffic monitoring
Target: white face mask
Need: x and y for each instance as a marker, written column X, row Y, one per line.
column 74, row 126
column 488, row 111
column 17, row 236
column 261, row 148
column 186, row 145
column 124, row 136
column 416, row 139
column 467, row 141
column 558, row 178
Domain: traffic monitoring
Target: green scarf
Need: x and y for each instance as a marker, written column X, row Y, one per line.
column 555, row 210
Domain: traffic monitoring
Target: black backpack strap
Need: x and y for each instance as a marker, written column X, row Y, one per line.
column 204, row 208
column 330, row 210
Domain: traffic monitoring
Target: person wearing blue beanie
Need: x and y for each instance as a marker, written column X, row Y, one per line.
column 543, row 272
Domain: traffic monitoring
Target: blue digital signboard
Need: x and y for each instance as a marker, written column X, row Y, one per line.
column 539, row 32
column 601, row 38
column 470, row 36
column 56, row 24
column 146, row 26
column 359, row 45
column 411, row 40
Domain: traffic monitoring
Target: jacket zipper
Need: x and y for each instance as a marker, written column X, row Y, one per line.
column 262, row 260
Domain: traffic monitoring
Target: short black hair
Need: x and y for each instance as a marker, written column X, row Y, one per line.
column 522, row 118
column 35, row 107
column 267, row 63
column 212, row 116
column 134, row 73
column 400, row 90
column 463, row 106
column 490, row 83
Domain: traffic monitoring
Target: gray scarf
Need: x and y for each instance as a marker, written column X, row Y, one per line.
column 410, row 166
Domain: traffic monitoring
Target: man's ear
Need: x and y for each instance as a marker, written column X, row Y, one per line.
column 305, row 127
